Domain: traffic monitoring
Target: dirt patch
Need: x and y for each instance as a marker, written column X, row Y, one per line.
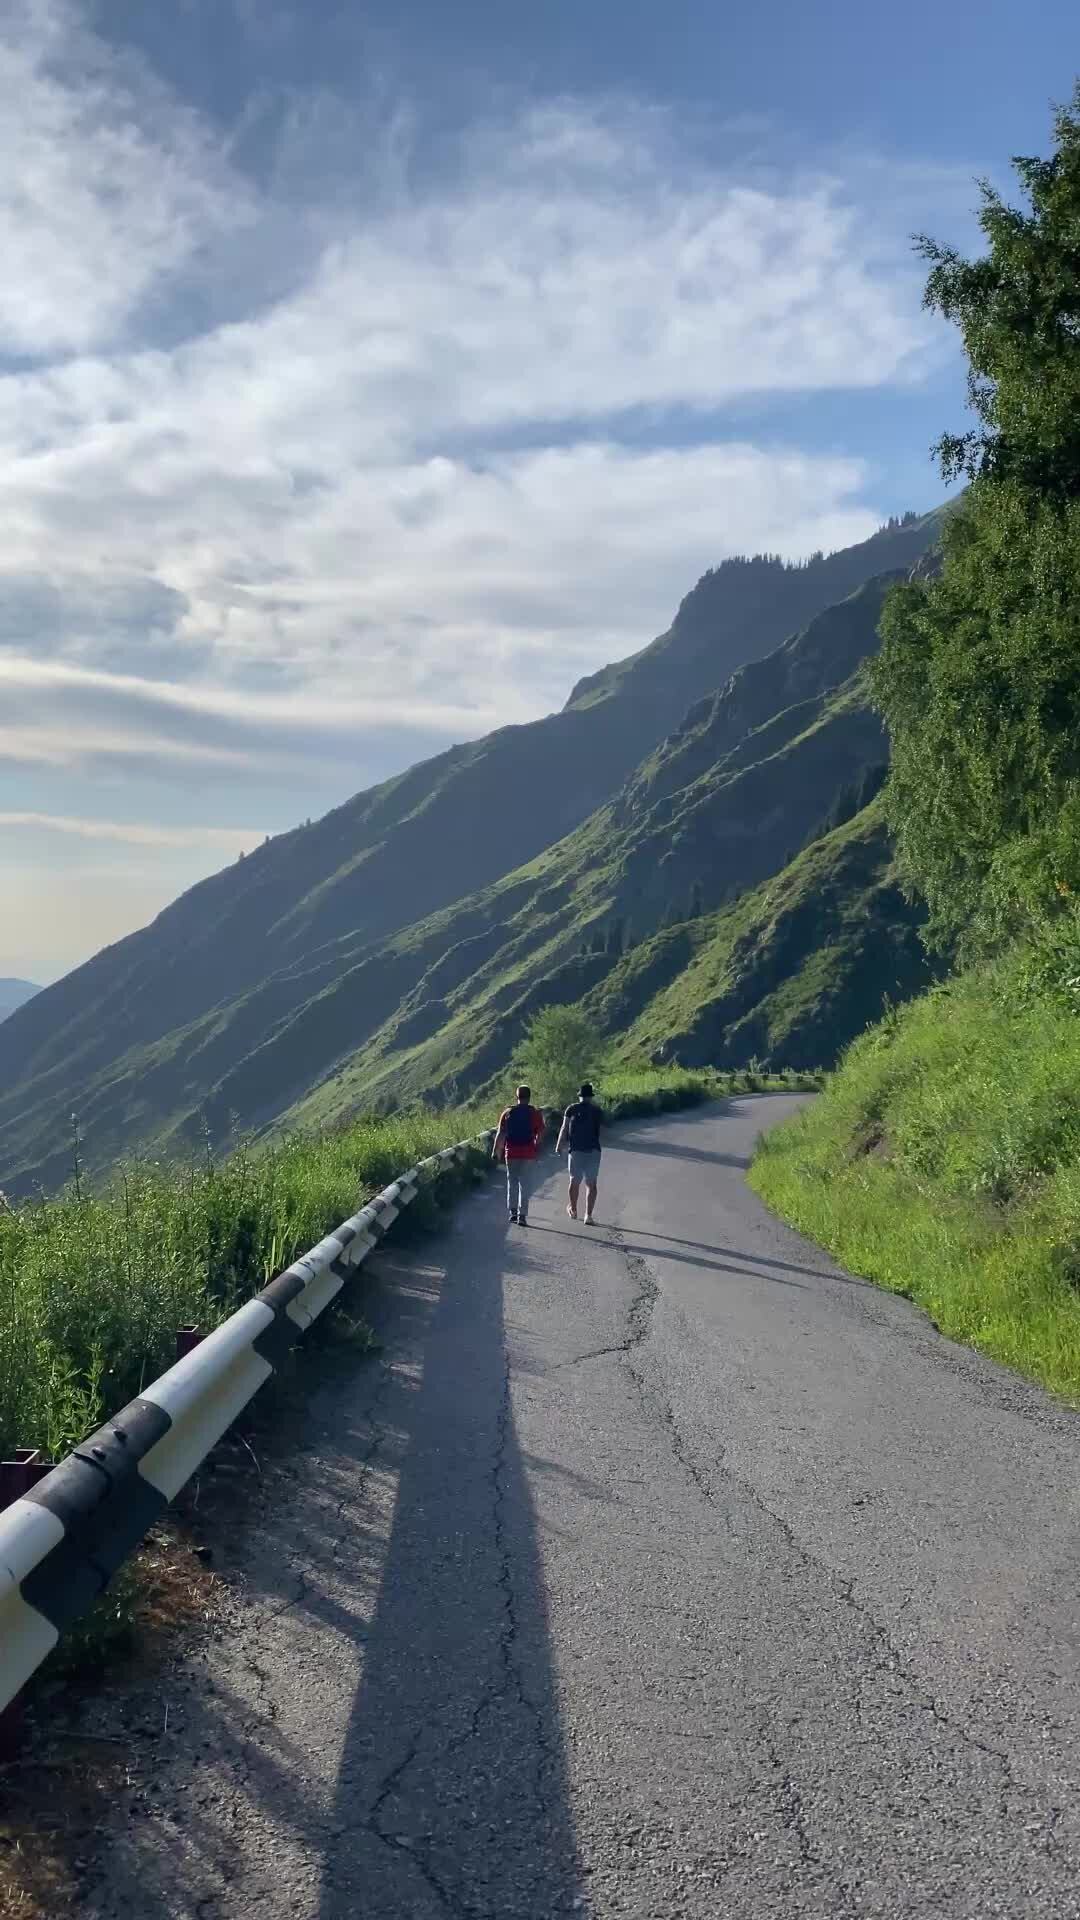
column 871, row 1144
column 97, row 1714
column 56, row 1795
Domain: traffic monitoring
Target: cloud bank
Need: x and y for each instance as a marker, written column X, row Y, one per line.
column 353, row 447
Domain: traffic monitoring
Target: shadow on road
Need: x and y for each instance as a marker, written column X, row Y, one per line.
column 648, row 1250
column 671, row 1150
column 451, row 1794
column 756, row 1259
column 602, row 1234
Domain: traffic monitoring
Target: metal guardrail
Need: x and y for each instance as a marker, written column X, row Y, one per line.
column 61, row 1543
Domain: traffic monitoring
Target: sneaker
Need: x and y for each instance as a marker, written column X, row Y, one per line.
column 522, row 1220
column 589, row 1221
column 512, row 1218
column 571, row 1214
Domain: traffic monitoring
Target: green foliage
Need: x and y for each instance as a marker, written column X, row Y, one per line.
column 943, row 1162
column 979, row 673
column 1016, row 308
column 626, row 1093
column 92, row 1290
column 1048, row 964
column 560, row 1049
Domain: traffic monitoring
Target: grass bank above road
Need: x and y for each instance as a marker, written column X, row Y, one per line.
column 943, row 1162
column 93, row 1285
column 627, row 1093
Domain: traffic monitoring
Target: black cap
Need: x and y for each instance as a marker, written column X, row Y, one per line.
column 585, row 1091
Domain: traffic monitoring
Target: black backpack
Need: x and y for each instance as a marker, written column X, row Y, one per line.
column 583, row 1126
column 518, row 1130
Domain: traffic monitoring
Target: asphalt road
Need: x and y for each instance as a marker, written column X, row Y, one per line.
column 659, row 1570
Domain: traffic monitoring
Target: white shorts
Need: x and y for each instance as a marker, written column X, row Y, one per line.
column 585, row 1166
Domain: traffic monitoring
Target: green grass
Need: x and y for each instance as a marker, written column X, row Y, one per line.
column 943, row 1162
column 627, row 1092
column 94, row 1285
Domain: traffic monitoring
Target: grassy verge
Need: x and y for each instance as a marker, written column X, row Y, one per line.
column 943, row 1162
column 94, row 1285
column 628, row 1092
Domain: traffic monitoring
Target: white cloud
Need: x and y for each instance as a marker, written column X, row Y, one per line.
column 532, row 569
column 134, row 833
column 107, row 184
column 331, row 456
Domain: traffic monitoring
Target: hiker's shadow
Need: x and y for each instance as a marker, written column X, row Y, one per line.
column 451, row 1791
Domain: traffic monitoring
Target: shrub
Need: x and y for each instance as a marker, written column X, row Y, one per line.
column 560, row 1050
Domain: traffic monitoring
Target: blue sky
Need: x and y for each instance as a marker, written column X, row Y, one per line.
column 367, row 374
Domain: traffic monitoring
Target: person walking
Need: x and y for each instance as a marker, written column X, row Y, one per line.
column 580, row 1132
column 521, row 1129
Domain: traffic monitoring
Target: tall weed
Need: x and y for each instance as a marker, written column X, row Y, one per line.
column 93, row 1286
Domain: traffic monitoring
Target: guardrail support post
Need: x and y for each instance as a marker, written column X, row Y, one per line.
column 187, row 1339
column 12, row 1728
column 19, row 1474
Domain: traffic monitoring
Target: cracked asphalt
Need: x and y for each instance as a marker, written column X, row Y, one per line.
column 662, row 1570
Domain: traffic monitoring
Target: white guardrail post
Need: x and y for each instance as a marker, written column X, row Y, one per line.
column 62, row 1542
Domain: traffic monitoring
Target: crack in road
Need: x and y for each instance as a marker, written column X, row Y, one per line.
column 416, row 1855
column 886, row 1657
column 639, row 1313
column 508, row 1686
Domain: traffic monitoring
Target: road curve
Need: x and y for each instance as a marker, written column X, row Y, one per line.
column 663, row 1570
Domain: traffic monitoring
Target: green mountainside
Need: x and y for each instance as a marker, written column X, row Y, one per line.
column 392, row 950
column 554, row 932
column 788, row 976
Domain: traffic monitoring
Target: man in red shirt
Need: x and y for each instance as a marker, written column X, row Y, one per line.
column 521, row 1130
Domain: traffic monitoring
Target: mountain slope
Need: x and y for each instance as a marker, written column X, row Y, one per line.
column 348, row 937
column 789, row 975
column 475, row 976
column 15, row 993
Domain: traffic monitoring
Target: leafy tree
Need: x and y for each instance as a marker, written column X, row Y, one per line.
column 979, row 674
column 560, row 1049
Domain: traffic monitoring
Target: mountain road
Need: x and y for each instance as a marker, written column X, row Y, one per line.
column 654, row 1569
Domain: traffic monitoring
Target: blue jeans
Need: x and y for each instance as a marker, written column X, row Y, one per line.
column 520, row 1181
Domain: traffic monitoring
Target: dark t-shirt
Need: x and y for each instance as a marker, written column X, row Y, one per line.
column 583, row 1120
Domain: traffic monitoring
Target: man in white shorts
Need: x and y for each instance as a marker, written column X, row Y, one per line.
column 580, row 1132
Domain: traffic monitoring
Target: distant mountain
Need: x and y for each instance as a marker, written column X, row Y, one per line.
column 15, row 993
column 395, row 947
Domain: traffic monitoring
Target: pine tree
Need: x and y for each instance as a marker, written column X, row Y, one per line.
column 979, row 674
